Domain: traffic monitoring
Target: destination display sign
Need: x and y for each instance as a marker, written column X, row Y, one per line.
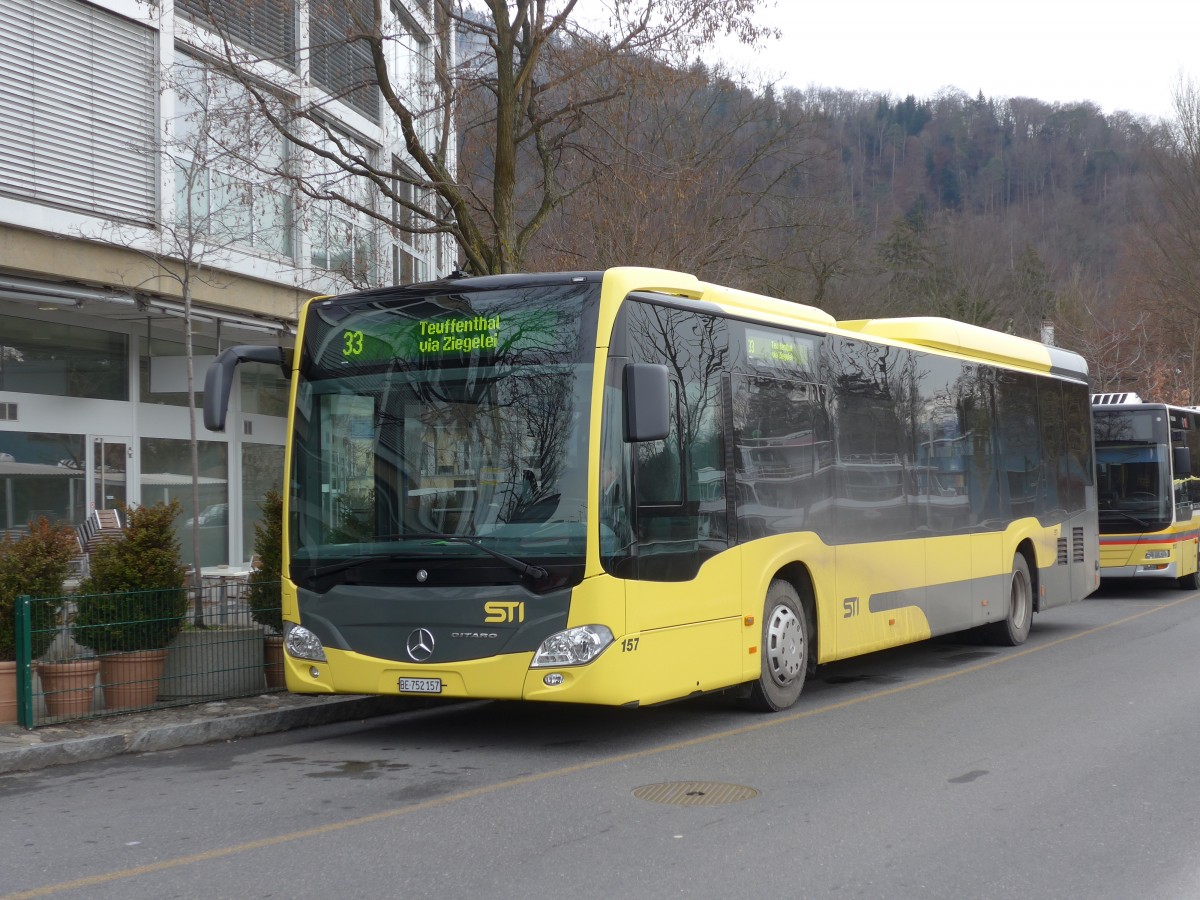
column 374, row 338
column 778, row 348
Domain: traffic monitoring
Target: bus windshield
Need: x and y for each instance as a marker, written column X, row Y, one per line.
column 1133, row 466
column 443, row 427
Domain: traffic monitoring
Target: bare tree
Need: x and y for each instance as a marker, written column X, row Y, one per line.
column 1173, row 222
column 678, row 173
column 1129, row 345
column 216, row 149
column 485, row 138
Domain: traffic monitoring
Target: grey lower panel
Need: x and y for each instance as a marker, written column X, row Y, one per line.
column 950, row 606
column 960, row 604
column 957, row 605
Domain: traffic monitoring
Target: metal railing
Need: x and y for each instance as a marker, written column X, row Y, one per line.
column 110, row 654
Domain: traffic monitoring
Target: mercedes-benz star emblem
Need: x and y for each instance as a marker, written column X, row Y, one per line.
column 420, row 645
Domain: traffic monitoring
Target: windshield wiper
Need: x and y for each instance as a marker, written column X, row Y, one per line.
column 1141, row 523
column 333, row 568
column 524, row 568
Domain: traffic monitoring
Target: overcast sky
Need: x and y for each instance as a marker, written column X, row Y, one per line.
column 1119, row 55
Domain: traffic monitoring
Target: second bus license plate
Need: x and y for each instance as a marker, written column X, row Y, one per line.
column 420, row 685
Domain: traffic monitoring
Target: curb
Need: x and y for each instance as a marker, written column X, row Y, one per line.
column 148, row 737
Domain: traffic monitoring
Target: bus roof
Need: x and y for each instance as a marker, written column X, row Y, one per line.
column 927, row 332
column 1104, row 402
column 960, row 337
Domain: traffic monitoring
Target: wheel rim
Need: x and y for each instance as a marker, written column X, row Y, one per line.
column 1018, row 600
column 785, row 646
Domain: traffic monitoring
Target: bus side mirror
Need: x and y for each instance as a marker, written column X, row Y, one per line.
column 647, row 403
column 219, row 378
column 1183, row 461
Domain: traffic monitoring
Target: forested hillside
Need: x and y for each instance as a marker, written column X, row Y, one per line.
column 1006, row 212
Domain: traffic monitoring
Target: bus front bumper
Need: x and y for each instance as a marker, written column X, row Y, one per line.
column 606, row 680
column 1145, row 570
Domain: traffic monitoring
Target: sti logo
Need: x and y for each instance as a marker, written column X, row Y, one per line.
column 498, row 611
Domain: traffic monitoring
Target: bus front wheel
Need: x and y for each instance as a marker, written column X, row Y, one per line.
column 1014, row 627
column 783, row 652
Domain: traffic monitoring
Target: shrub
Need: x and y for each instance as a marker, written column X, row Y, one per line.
column 135, row 597
column 35, row 564
column 265, row 596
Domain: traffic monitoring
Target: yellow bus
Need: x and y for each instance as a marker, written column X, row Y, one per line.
column 1149, row 524
column 629, row 487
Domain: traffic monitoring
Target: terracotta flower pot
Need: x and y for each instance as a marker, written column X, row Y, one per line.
column 69, row 688
column 8, row 692
column 131, row 679
column 273, row 660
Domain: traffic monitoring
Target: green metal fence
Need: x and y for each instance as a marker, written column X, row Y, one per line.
column 86, row 656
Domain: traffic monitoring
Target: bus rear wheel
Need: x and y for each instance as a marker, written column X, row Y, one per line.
column 1013, row 629
column 783, row 652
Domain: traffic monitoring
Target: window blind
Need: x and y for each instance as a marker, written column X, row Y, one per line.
column 267, row 27
column 78, row 108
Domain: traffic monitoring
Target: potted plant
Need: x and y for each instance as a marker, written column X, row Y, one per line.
column 132, row 605
column 35, row 565
column 265, row 595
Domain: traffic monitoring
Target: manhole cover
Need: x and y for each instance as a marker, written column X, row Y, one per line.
column 694, row 793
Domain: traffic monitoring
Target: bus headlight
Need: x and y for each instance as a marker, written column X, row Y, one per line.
column 573, row 647
column 1157, row 554
column 301, row 643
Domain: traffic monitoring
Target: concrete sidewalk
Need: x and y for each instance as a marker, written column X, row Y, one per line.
column 23, row 749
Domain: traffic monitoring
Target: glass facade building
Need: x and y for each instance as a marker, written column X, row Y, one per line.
column 114, row 168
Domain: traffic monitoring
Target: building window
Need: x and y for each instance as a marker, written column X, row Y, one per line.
column 262, row 471
column 340, row 65
column 408, row 263
column 78, row 129
column 342, row 235
column 166, row 476
column 343, row 243
column 412, row 67
column 264, row 392
column 228, row 163
column 62, row 361
column 42, row 475
column 267, row 27
column 445, row 260
column 163, row 371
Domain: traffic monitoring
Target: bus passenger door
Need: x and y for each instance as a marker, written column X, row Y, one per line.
column 684, row 589
column 682, row 572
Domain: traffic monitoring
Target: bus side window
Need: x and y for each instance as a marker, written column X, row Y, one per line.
column 1192, row 437
column 616, row 518
column 1020, row 449
column 658, row 463
column 783, row 464
column 975, row 410
column 680, row 512
column 1081, row 470
column 1056, row 481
